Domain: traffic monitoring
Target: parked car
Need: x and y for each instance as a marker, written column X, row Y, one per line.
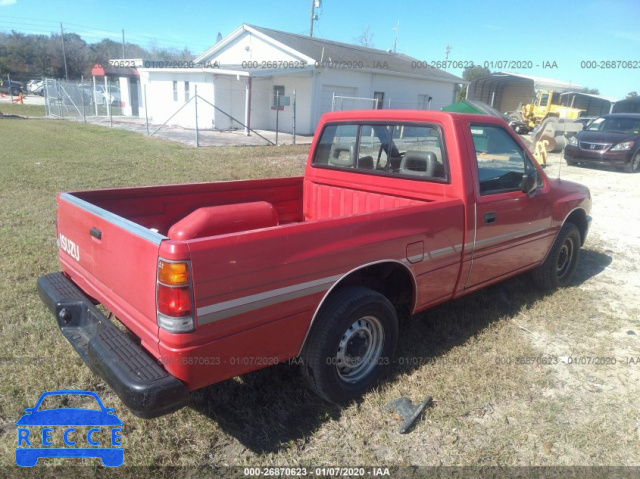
column 12, row 88
column 33, row 85
column 398, row 211
column 585, row 120
column 612, row 140
column 104, row 96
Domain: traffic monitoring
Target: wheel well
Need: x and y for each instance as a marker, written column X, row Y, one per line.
column 579, row 218
column 392, row 280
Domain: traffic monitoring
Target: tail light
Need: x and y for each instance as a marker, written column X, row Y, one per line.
column 174, row 296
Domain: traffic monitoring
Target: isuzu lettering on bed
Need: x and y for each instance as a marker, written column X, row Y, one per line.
column 397, row 211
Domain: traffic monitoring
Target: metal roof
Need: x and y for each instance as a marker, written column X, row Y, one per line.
column 541, row 83
column 335, row 53
column 591, row 95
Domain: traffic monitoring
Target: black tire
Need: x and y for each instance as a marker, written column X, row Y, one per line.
column 634, row 165
column 350, row 344
column 571, row 162
column 558, row 269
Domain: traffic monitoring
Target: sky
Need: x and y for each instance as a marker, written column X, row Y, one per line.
column 592, row 43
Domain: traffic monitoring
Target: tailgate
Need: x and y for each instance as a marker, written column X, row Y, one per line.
column 114, row 260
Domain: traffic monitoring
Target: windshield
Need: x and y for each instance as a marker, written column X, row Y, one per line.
column 618, row 125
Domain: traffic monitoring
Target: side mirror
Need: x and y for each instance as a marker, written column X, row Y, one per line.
column 530, row 182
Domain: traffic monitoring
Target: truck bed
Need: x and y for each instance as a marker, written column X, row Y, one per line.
column 253, row 283
column 157, row 208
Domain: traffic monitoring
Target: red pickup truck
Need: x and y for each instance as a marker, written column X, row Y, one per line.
column 397, row 211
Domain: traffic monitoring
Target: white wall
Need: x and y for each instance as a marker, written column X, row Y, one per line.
column 249, row 47
column 160, row 98
column 399, row 92
column 263, row 114
column 229, row 96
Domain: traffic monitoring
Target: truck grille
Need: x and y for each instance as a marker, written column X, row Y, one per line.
column 587, row 146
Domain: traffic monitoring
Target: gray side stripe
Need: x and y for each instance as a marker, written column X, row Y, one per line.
column 125, row 224
column 515, row 234
column 226, row 309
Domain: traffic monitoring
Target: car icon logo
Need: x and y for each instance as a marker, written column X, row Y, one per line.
column 69, row 432
column 592, row 147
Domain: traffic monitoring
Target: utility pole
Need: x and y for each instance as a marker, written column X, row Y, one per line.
column 395, row 41
column 64, row 55
column 123, row 43
column 447, row 50
column 313, row 17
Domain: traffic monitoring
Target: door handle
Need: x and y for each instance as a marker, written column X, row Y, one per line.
column 489, row 218
column 96, row 233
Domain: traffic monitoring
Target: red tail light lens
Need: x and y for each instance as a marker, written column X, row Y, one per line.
column 174, row 297
column 175, row 302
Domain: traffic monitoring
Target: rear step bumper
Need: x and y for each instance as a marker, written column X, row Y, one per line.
column 140, row 383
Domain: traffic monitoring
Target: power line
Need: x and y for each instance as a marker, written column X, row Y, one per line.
column 86, row 31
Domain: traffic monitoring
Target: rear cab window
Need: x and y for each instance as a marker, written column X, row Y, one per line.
column 501, row 161
column 413, row 151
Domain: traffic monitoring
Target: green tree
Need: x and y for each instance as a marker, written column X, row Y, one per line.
column 470, row 74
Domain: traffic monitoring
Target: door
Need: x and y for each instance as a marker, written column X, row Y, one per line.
column 379, row 97
column 133, row 91
column 512, row 227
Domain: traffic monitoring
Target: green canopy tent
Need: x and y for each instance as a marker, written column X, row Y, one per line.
column 479, row 108
column 472, row 106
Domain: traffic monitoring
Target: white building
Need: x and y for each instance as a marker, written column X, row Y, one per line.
column 242, row 75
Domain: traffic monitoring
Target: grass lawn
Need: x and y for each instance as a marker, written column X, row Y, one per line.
column 488, row 408
column 22, row 110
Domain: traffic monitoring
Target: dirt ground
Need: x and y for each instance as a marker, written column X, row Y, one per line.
column 598, row 373
column 615, row 229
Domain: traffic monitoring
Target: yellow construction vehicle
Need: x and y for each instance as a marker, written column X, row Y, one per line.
column 545, row 105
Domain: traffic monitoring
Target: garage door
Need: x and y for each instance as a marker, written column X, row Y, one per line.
column 327, row 96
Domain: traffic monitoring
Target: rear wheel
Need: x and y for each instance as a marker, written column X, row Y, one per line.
column 350, row 344
column 558, row 269
column 634, row 165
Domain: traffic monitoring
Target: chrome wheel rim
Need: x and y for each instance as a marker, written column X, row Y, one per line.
column 359, row 349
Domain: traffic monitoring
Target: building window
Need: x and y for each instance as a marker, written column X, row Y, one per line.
column 379, row 96
column 175, row 91
column 278, row 92
column 186, row 91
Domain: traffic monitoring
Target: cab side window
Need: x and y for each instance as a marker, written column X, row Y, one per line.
column 501, row 162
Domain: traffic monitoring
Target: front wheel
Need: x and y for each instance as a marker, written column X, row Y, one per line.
column 350, row 344
column 558, row 269
column 634, row 166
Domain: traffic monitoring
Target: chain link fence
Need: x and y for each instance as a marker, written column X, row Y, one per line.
column 343, row 103
column 210, row 109
column 81, row 99
column 227, row 105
